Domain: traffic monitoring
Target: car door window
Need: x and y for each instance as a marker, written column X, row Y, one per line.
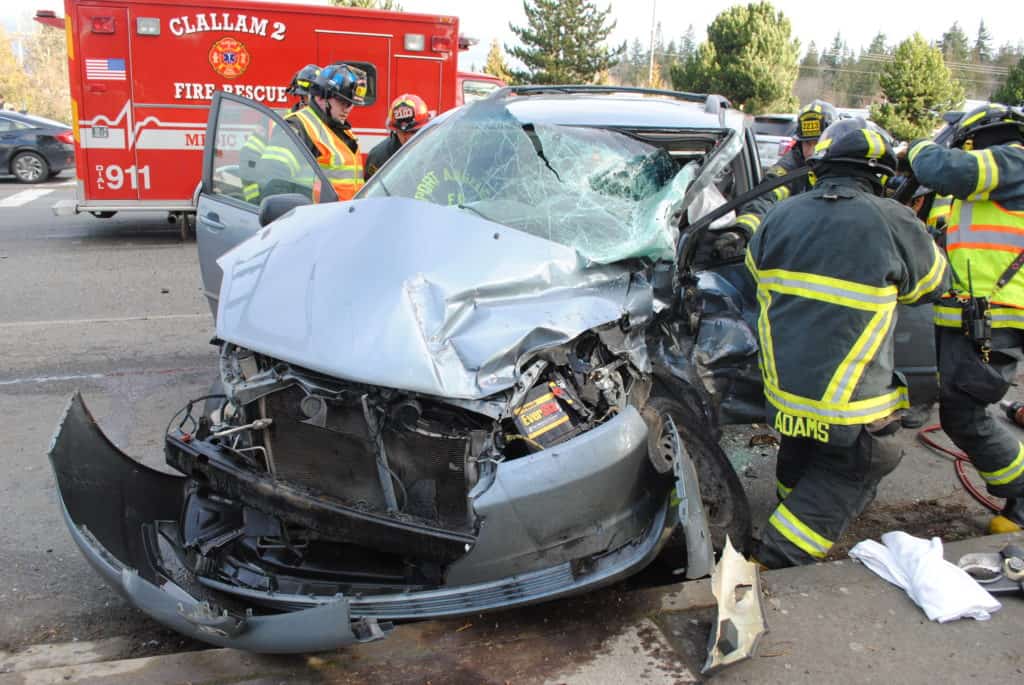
column 254, row 157
column 6, row 125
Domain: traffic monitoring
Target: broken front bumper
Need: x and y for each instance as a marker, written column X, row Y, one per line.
column 119, row 512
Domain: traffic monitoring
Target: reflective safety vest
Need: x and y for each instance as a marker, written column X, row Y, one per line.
column 981, row 241
column 340, row 164
column 938, row 215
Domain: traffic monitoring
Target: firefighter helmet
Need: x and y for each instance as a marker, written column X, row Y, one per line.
column 303, row 80
column 343, row 82
column 813, row 119
column 855, row 141
column 408, row 113
column 988, row 118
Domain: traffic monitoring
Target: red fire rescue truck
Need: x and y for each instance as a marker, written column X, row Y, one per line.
column 143, row 72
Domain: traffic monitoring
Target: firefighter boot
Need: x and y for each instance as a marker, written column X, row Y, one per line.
column 1010, row 519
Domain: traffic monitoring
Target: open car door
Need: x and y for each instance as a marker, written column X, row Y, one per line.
column 237, row 177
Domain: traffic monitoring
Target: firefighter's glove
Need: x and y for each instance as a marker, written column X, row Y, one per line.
column 730, row 244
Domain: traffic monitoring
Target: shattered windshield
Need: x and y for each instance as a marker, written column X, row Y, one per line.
column 602, row 192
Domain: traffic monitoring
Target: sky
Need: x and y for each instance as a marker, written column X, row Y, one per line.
column 857, row 21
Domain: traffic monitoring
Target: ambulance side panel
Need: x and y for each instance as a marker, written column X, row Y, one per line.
column 103, row 68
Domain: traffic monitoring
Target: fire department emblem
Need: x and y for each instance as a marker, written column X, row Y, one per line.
column 229, row 58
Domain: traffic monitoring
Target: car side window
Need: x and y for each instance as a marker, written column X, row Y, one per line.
column 254, row 158
column 6, row 125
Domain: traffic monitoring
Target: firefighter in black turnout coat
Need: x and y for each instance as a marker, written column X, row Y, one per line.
column 831, row 265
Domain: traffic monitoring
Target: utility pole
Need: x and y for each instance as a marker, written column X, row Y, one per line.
column 650, row 66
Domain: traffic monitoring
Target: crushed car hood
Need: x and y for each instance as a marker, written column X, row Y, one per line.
column 415, row 296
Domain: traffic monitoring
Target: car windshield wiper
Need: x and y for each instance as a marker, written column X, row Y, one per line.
column 475, row 211
column 531, row 133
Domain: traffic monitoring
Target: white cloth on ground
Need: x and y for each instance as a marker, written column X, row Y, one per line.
column 943, row 590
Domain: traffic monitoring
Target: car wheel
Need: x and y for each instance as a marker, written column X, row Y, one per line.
column 28, row 167
column 725, row 501
column 103, row 215
column 187, row 226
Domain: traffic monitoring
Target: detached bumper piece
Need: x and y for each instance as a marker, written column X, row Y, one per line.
column 740, row 623
column 117, row 510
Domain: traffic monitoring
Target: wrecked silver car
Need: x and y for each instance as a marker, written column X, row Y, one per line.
column 481, row 384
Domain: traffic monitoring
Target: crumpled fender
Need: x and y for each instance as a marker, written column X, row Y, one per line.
column 111, row 503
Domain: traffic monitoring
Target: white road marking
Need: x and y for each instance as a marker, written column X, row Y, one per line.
column 24, row 197
column 122, row 319
column 94, row 376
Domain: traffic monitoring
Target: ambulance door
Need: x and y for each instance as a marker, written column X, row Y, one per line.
column 105, row 110
column 250, row 153
column 420, row 75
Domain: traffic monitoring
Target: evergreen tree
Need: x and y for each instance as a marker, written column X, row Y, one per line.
column 954, row 44
column 750, row 57
column 563, row 42
column 863, row 77
column 688, row 44
column 917, row 85
column 811, row 59
column 496, row 65
column 982, row 52
column 392, row 5
column 1012, row 91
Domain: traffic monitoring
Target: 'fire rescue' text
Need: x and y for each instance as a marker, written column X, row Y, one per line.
column 205, row 91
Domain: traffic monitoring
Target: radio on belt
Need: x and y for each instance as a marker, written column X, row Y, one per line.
column 544, row 416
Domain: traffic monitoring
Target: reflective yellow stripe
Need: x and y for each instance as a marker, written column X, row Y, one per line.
column 283, row 155
column 847, row 376
column 799, row 533
column 781, row 193
column 751, row 221
column 837, row 413
column 827, row 289
column 950, row 317
column 917, row 149
column 967, row 122
column 782, row 489
column 988, row 174
column 875, row 147
column 930, row 280
column 251, row 191
column 764, row 327
column 1007, row 474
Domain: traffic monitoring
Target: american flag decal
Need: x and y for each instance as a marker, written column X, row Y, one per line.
column 109, row 69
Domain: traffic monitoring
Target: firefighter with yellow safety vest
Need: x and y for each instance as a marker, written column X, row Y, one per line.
column 256, row 143
column 323, row 126
column 831, row 265
column 981, row 322
column 406, row 115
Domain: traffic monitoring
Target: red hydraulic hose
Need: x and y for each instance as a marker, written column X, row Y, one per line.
column 960, row 460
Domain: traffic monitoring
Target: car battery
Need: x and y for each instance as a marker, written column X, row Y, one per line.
column 544, row 417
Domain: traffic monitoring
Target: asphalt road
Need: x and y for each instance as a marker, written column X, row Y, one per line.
column 113, row 307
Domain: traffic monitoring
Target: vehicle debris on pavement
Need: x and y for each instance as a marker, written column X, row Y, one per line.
column 740, row 623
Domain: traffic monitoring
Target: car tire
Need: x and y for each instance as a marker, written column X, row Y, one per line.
column 103, row 215
column 29, row 167
column 187, row 226
column 53, row 173
column 725, row 501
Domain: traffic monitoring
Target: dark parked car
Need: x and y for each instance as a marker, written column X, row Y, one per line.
column 32, row 148
column 775, row 136
column 483, row 383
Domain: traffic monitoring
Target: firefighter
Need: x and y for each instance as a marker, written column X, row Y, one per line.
column 406, row 115
column 301, row 84
column 980, row 323
column 831, row 265
column 811, row 121
column 323, row 126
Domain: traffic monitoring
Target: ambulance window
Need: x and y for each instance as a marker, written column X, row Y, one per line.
column 253, row 158
column 477, row 90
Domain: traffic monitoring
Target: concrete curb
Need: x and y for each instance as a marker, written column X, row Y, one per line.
column 822, row 619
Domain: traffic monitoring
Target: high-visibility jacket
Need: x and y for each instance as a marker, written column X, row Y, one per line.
column 831, row 265
column 985, row 228
column 337, row 158
column 248, row 160
column 753, row 212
